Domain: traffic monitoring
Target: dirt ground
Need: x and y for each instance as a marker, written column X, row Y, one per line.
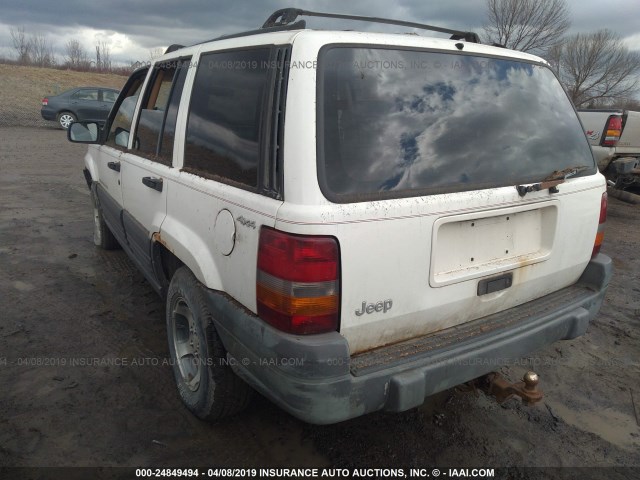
column 69, row 314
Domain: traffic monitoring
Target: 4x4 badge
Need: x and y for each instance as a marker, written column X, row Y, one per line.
column 247, row 223
column 381, row 306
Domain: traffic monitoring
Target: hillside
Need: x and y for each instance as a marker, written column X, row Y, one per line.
column 22, row 89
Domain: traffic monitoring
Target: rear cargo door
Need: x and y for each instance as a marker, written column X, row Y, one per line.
column 433, row 163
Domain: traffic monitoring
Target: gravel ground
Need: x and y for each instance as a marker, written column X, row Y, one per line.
column 71, row 313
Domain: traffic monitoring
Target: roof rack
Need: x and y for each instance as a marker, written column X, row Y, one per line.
column 285, row 17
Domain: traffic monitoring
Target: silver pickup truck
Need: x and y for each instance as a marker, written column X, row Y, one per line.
column 614, row 136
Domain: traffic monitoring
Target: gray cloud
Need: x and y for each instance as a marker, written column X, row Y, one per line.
column 153, row 23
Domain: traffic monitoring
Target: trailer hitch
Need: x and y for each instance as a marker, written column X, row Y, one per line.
column 497, row 386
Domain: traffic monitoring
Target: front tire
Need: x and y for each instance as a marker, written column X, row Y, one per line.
column 206, row 384
column 65, row 119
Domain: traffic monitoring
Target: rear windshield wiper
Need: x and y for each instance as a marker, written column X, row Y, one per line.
column 551, row 181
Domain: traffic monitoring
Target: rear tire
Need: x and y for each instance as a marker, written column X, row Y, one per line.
column 102, row 236
column 65, row 119
column 206, row 384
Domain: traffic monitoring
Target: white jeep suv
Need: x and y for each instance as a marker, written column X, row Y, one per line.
column 349, row 221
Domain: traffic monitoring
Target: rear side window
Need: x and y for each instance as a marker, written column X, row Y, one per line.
column 226, row 116
column 169, row 130
column 86, row 94
column 109, row 96
column 157, row 123
column 153, row 110
column 397, row 123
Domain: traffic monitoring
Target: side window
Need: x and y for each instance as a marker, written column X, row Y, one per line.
column 156, row 125
column 121, row 123
column 168, row 133
column 109, row 96
column 226, row 116
column 86, row 94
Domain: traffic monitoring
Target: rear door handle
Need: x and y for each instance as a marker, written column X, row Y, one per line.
column 151, row 182
column 114, row 166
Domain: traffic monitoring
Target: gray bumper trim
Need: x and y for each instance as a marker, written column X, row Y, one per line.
column 311, row 377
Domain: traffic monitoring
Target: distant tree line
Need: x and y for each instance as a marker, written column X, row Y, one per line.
column 36, row 50
column 596, row 69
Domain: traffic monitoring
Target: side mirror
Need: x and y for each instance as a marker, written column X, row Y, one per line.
column 83, row 132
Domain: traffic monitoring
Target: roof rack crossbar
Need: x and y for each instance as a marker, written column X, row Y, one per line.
column 287, row 15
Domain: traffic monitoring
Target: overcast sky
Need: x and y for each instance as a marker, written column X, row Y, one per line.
column 133, row 28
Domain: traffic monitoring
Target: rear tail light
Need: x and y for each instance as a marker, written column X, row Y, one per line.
column 298, row 282
column 612, row 131
column 45, row 101
column 603, row 218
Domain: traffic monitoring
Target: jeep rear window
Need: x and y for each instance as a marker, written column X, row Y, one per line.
column 397, row 123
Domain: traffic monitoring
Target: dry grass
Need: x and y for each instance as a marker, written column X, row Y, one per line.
column 22, row 89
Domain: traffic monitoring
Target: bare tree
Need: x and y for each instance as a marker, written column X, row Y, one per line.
column 596, row 68
column 527, row 25
column 103, row 57
column 21, row 45
column 76, row 56
column 41, row 51
column 155, row 53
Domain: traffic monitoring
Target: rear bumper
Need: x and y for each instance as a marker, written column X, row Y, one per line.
column 315, row 379
column 48, row 113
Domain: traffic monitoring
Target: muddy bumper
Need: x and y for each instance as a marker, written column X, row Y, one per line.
column 315, row 379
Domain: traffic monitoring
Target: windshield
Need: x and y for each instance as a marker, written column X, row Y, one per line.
column 396, row 123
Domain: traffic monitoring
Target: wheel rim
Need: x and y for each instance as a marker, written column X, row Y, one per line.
column 186, row 344
column 66, row 120
column 97, row 231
